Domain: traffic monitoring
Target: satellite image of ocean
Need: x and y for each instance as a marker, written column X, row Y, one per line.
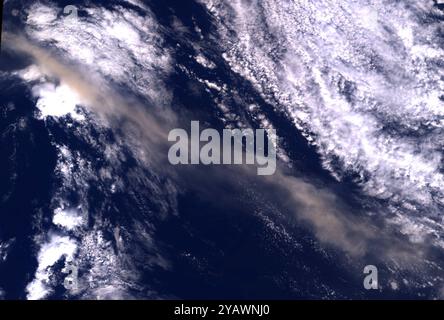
column 92, row 207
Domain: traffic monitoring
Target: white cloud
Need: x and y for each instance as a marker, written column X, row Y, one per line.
column 50, row 252
column 57, row 101
column 4, row 249
column 361, row 81
column 31, row 73
column 202, row 60
column 119, row 44
column 41, row 15
column 67, row 218
column 111, row 46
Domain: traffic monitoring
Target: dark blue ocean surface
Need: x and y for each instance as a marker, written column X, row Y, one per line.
column 85, row 186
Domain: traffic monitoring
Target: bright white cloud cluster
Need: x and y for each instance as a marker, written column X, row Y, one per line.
column 124, row 49
column 53, row 100
column 202, row 60
column 68, row 219
column 56, row 248
column 30, row 74
column 57, row 101
column 120, row 44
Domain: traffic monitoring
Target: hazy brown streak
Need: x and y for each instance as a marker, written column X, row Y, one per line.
column 97, row 95
column 319, row 208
